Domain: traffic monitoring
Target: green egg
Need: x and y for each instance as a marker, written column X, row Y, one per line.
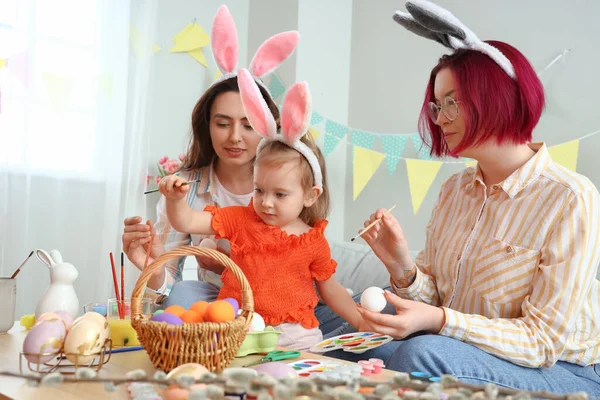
column 159, row 312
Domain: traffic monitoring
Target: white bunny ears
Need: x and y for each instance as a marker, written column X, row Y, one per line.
column 268, row 57
column 295, row 118
column 436, row 23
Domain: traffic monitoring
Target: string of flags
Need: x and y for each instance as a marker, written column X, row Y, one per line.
column 366, row 159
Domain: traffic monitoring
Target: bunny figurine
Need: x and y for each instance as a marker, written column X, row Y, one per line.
column 60, row 295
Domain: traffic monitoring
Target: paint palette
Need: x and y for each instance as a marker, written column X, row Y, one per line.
column 325, row 368
column 357, row 342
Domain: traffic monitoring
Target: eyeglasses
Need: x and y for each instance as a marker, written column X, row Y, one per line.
column 449, row 107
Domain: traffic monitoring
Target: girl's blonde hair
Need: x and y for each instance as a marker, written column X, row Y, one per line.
column 276, row 153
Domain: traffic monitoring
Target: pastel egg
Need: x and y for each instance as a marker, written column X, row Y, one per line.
column 46, row 337
column 234, row 303
column 94, row 316
column 50, row 316
column 67, row 317
column 192, row 369
column 168, row 318
column 277, row 369
column 84, row 341
column 174, row 392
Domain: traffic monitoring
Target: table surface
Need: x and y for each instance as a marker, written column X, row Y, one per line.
column 10, row 349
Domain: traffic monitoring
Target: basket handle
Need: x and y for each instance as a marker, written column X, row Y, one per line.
column 137, row 295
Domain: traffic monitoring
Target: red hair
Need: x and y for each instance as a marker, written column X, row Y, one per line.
column 494, row 105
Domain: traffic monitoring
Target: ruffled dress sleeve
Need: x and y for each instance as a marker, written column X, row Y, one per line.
column 227, row 220
column 322, row 266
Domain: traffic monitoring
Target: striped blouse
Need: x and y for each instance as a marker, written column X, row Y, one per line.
column 514, row 268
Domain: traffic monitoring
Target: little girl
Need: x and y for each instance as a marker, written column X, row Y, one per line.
column 278, row 240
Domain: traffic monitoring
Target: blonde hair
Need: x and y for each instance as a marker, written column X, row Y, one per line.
column 276, row 153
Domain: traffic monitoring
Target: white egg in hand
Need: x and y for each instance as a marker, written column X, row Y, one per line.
column 373, row 299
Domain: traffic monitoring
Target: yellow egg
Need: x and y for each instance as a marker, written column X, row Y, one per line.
column 192, row 369
column 99, row 318
column 84, row 340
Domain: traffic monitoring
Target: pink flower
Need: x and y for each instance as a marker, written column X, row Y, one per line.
column 158, row 179
column 148, row 179
column 182, row 157
column 163, row 160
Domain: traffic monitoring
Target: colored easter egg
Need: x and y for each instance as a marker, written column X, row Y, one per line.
column 191, row 317
column 84, row 341
column 174, row 392
column 94, row 316
column 49, row 316
column 234, row 303
column 67, row 317
column 175, row 310
column 168, row 318
column 100, row 310
column 277, row 369
column 200, row 307
column 159, row 312
column 192, row 369
column 219, row 311
column 258, row 323
column 46, row 337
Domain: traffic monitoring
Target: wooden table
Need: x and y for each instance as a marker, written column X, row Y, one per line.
column 10, row 348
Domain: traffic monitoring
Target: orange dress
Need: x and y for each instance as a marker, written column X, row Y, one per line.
column 280, row 268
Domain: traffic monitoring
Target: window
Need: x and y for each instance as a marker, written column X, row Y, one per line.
column 49, row 90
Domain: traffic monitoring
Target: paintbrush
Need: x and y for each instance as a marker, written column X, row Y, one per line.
column 184, row 183
column 14, row 275
column 371, row 224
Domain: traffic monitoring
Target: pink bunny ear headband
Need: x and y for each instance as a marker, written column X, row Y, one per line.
column 436, row 23
column 268, row 57
column 295, row 118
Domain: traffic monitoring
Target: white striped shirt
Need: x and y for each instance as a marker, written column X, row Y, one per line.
column 515, row 269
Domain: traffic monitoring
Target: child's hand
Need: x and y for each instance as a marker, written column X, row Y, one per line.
column 173, row 188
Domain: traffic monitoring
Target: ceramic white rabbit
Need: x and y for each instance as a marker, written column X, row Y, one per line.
column 60, row 295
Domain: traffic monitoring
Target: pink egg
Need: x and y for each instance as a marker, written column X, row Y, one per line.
column 67, row 317
column 174, row 392
column 46, row 337
column 277, row 369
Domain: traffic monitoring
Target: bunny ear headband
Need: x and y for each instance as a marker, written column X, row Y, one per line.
column 436, row 23
column 268, row 57
column 295, row 118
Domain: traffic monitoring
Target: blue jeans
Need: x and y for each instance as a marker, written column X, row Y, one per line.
column 438, row 355
column 186, row 293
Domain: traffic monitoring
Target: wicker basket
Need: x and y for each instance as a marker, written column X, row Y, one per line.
column 211, row 344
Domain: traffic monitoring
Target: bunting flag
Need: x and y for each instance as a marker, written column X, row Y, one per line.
column 421, row 174
column 566, row 154
column 276, row 87
column 2, row 63
column 191, row 39
column 105, row 83
column 393, row 146
column 470, row 163
column 218, row 74
column 365, row 163
column 141, row 45
column 363, row 139
column 59, row 89
column 315, row 118
column 329, row 144
column 314, row 133
column 421, row 147
column 334, row 133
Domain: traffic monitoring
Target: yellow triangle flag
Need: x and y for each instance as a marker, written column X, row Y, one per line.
column 190, row 38
column 314, row 133
column 421, row 174
column 59, row 88
column 2, row 63
column 218, row 74
column 105, row 82
column 365, row 164
column 566, row 154
column 471, row 164
column 198, row 55
column 155, row 48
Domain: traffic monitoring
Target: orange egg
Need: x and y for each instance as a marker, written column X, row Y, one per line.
column 175, row 310
column 200, row 307
column 191, row 317
column 219, row 311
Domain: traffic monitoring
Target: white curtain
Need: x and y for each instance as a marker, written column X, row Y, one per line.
column 73, row 153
